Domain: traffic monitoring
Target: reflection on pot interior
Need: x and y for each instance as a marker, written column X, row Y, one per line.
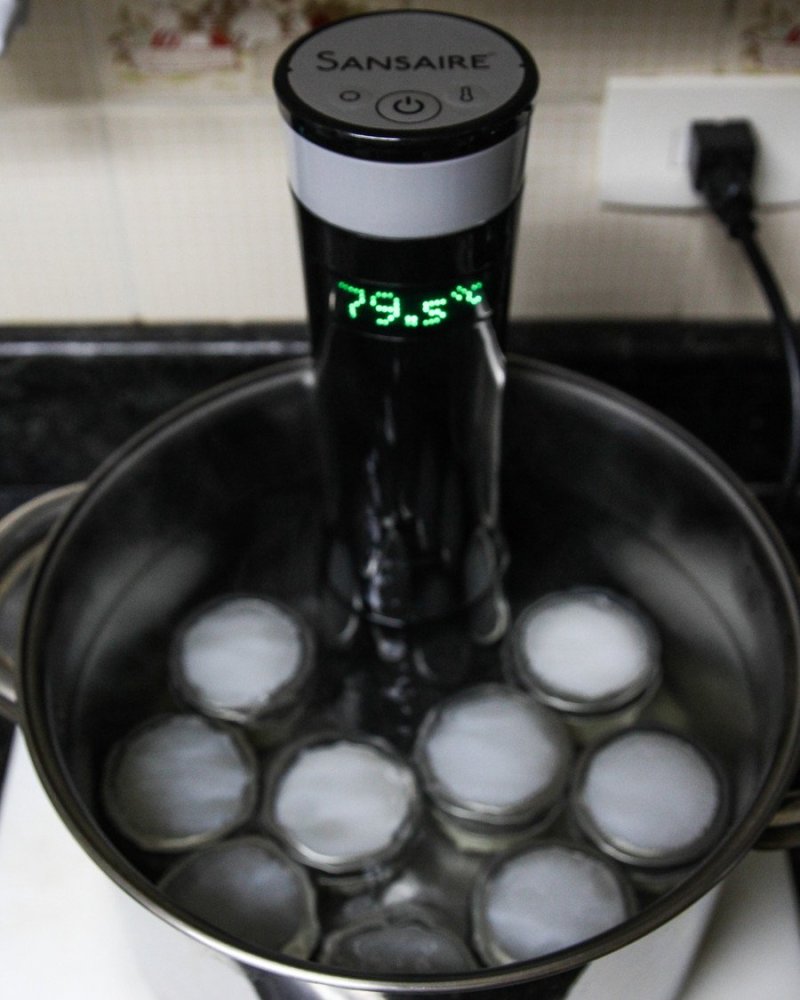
column 459, row 854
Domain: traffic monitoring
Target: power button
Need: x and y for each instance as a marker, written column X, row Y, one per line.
column 408, row 106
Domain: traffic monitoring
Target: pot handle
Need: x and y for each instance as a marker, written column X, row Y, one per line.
column 8, row 691
column 23, row 535
column 784, row 830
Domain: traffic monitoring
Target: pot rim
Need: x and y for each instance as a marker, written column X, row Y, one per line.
column 722, row 860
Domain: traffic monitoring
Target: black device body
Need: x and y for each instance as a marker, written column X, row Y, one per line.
column 407, row 134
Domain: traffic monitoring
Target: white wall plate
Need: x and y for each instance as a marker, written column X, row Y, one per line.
column 644, row 136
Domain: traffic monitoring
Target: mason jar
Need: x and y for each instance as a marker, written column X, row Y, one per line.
column 494, row 765
column 544, row 897
column 250, row 889
column 589, row 654
column 398, row 940
column 345, row 806
column 178, row 781
column 245, row 660
column 652, row 799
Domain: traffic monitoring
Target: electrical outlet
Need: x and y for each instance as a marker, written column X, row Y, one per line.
column 644, row 139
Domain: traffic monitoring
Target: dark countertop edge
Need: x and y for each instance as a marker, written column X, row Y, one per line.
column 565, row 338
column 70, row 394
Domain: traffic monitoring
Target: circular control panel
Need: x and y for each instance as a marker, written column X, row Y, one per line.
column 406, row 85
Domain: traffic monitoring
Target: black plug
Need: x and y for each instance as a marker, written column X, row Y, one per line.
column 722, row 159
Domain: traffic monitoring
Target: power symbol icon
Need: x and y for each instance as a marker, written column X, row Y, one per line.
column 408, row 107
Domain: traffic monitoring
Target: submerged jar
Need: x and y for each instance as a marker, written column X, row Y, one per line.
column 546, row 897
column 347, row 807
column 398, row 940
column 250, row 889
column 588, row 653
column 247, row 660
column 494, row 764
column 179, row 781
column 653, row 800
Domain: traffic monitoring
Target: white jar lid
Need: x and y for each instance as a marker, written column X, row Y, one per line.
column 544, row 898
column 179, row 781
column 492, row 755
column 241, row 658
column 342, row 805
column 585, row 650
column 649, row 797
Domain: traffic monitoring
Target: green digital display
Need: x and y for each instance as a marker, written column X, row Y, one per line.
column 398, row 310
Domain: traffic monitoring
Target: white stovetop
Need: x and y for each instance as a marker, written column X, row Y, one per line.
column 62, row 935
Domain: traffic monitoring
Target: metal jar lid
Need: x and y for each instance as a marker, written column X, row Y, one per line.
column 491, row 757
column 179, row 781
column 584, row 651
column 243, row 659
column 543, row 898
column 649, row 797
column 342, row 805
column 249, row 889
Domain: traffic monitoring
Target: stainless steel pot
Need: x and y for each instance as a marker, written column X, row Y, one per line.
column 223, row 494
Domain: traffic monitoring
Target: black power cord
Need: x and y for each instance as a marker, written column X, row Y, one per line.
column 722, row 162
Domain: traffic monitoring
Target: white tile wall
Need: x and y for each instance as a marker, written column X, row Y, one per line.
column 205, row 211
column 130, row 199
column 62, row 253
column 577, row 43
column 580, row 261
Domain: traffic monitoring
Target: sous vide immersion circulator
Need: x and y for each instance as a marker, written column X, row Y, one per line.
column 407, row 137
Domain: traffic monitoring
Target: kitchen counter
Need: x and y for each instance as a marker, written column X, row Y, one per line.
column 69, row 396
